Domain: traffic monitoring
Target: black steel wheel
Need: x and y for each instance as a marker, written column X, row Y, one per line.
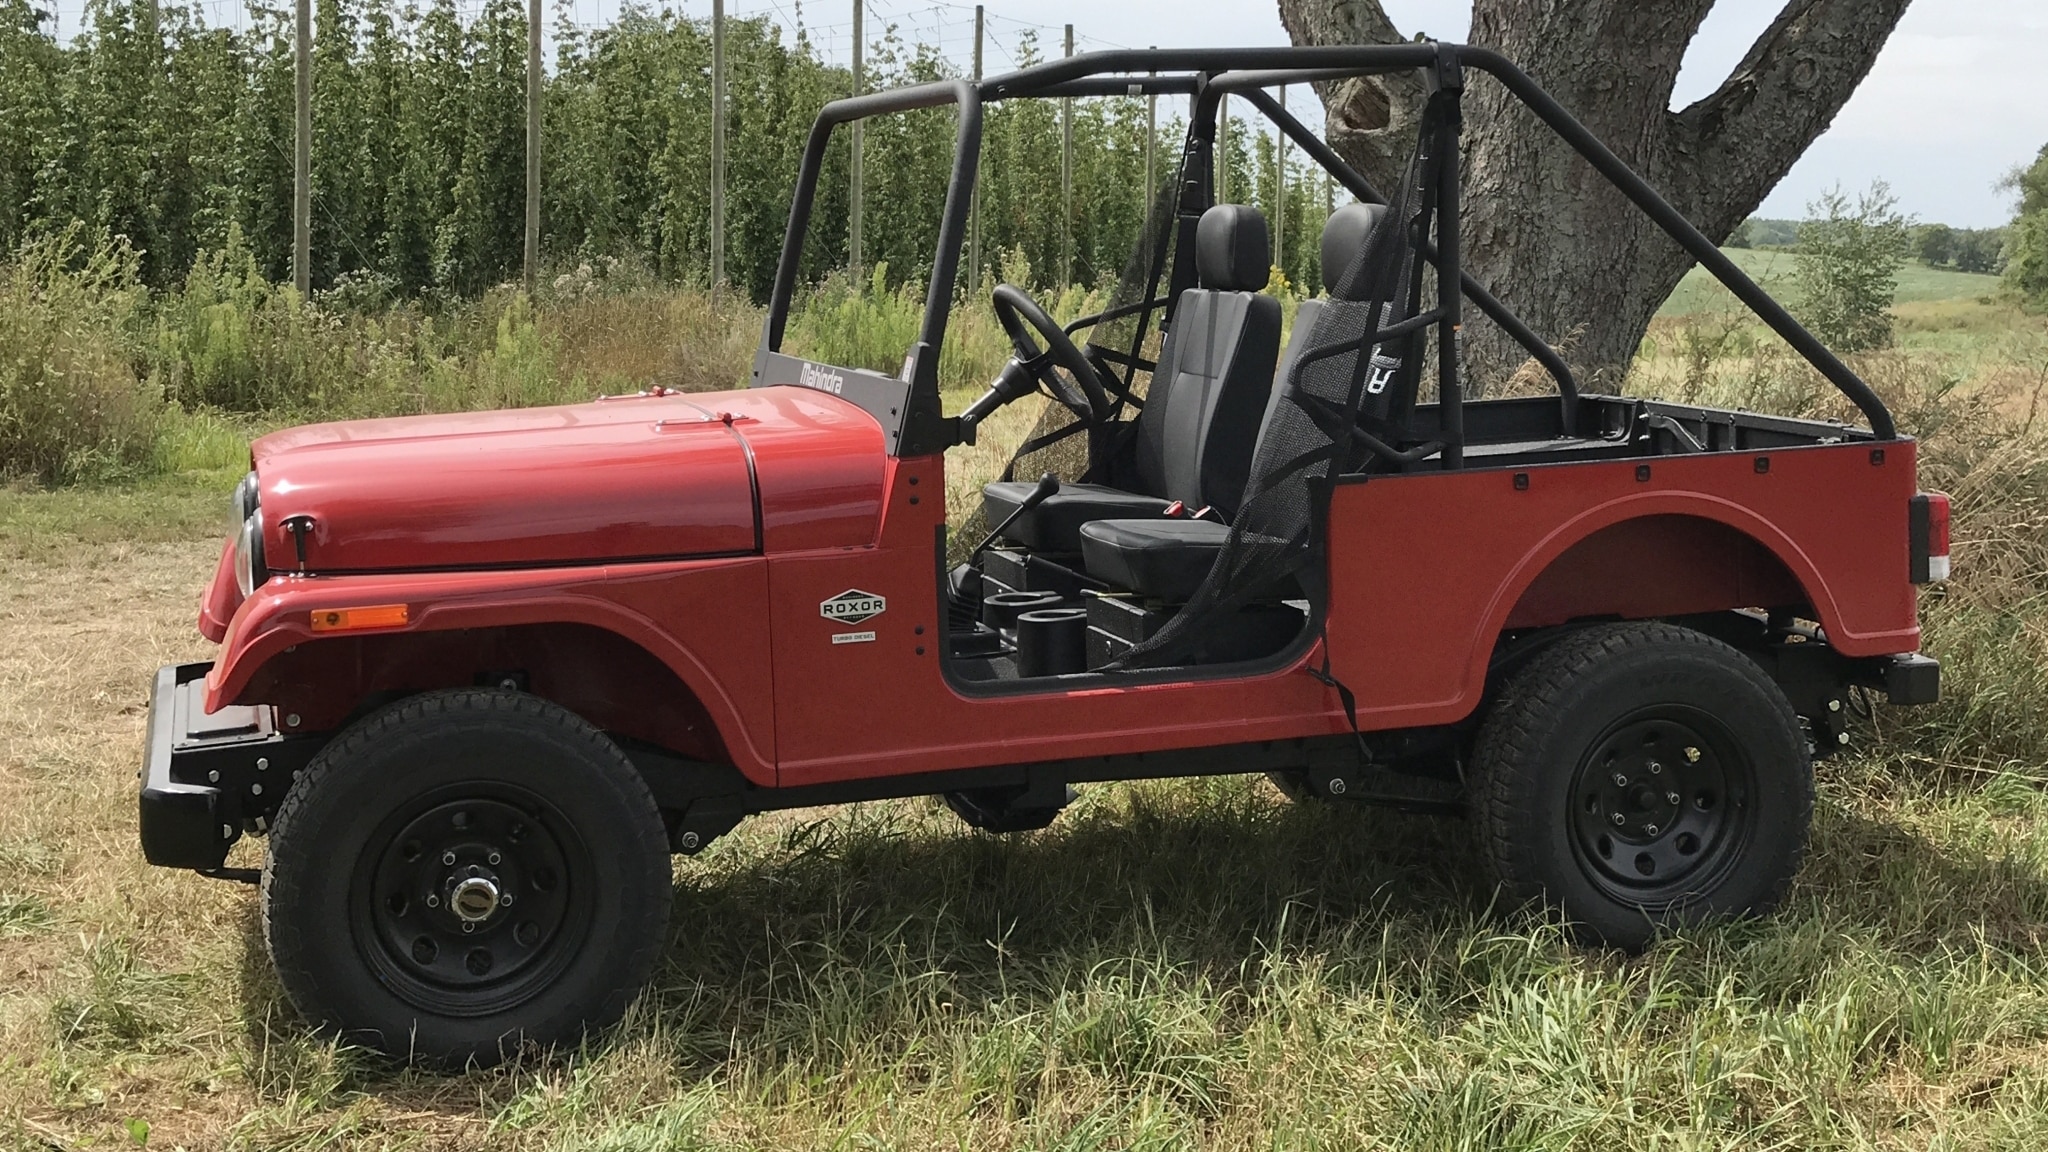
column 465, row 872
column 1665, row 806
column 1636, row 776
column 466, row 902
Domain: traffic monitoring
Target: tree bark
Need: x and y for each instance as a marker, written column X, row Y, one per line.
column 1558, row 244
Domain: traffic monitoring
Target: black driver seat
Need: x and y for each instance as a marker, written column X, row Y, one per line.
column 1200, row 421
column 1168, row 559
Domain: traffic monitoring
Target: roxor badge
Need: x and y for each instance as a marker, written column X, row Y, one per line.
column 853, row 606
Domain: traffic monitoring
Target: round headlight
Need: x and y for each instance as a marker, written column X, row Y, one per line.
column 241, row 503
column 250, row 569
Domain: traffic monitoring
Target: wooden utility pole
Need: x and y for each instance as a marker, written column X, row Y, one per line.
column 1280, row 209
column 1330, row 206
column 532, row 262
column 853, row 252
column 1220, row 152
column 974, row 223
column 302, row 151
column 717, row 146
column 1151, row 138
column 1067, row 179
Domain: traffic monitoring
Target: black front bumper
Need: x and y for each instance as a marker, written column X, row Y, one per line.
column 206, row 778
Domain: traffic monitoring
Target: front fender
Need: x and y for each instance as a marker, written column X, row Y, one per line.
column 722, row 603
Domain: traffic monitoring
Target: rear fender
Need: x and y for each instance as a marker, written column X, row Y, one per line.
column 600, row 641
column 1573, row 565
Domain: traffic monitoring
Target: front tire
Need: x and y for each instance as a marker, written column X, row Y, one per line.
column 465, row 872
column 1641, row 776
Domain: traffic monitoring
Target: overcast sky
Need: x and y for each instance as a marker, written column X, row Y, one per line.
column 1957, row 99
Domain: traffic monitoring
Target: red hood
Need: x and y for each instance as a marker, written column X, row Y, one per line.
column 635, row 477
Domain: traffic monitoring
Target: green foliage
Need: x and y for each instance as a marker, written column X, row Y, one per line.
column 1980, row 250
column 72, row 404
column 1849, row 267
column 1766, row 233
column 1976, row 250
column 2026, row 271
column 178, row 136
column 1935, row 245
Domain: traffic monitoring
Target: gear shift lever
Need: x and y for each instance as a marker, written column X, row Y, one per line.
column 1047, row 485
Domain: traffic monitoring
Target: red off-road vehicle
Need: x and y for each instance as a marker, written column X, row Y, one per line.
column 482, row 674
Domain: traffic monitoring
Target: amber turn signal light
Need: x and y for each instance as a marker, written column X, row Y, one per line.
column 356, row 619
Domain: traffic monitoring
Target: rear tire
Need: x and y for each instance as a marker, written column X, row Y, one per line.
column 1641, row 776
column 463, row 873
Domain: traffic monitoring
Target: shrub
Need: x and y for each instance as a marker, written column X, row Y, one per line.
column 2026, row 269
column 234, row 340
column 872, row 326
column 1849, row 269
column 73, row 405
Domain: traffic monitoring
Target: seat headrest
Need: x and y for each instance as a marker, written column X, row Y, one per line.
column 1346, row 237
column 1232, row 253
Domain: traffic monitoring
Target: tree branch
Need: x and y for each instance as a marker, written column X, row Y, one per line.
column 1729, row 149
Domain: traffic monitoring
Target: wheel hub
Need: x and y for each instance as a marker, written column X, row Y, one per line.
column 474, row 898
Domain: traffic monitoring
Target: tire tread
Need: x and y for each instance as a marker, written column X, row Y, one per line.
column 640, row 840
column 1504, row 757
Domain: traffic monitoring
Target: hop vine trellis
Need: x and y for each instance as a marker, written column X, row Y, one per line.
column 172, row 125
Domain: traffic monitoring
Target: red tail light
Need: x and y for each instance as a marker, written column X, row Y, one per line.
column 1927, row 528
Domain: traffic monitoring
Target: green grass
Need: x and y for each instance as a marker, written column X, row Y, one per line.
column 1774, row 270
column 35, row 521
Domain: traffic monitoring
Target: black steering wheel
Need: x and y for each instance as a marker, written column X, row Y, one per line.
column 1021, row 318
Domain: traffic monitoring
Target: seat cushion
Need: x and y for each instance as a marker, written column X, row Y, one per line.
column 1161, row 558
column 1055, row 525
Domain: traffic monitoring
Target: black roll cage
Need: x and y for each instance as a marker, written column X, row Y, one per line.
column 1206, row 75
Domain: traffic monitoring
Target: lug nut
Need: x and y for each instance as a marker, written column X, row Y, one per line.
column 1337, row 785
column 1834, row 705
column 1618, row 818
column 1655, row 767
column 690, row 840
column 1620, row 781
column 1671, row 797
column 468, row 927
column 433, row 901
column 494, row 857
column 1650, row 829
column 447, row 857
column 505, row 899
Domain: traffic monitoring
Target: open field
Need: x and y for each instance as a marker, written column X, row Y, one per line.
column 1700, row 292
column 1170, row 965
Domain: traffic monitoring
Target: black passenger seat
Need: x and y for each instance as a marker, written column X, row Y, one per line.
column 1201, row 416
column 1168, row 560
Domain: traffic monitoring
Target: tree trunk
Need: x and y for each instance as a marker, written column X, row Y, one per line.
column 1558, row 244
